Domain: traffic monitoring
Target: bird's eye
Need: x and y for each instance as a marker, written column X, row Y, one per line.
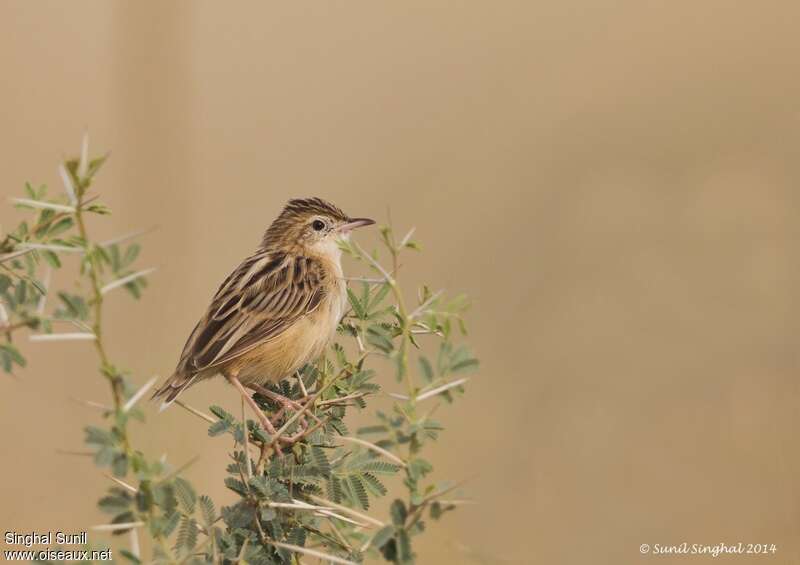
column 318, row 225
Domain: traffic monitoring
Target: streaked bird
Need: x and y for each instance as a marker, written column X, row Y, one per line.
column 277, row 311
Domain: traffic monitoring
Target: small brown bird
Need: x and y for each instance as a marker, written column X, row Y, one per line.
column 276, row 311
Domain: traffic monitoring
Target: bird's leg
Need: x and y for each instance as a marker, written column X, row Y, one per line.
column 300, row 382
column 279, row 398
column 252, row 403
column 290, row 440
column 286, row 403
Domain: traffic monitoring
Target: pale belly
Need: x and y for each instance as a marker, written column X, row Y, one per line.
column 302, row 343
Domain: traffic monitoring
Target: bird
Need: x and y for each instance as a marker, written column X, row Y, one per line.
column 277, row 311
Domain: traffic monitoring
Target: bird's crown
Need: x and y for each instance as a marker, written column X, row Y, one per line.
column 301, row 208
column 291, row 226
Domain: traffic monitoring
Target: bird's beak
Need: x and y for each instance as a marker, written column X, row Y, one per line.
column 355, row 223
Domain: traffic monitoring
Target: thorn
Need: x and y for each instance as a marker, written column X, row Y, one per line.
column 69, row 188
column 123, row 484
column 375, row 448
column 196, row 412
column 139, row 393
column 91, row 404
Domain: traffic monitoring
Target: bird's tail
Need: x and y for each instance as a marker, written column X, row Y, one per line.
column 172, row 387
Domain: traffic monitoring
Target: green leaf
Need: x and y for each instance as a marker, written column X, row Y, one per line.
column 185, row 494
column 119, row 466
column 380, row 338
column 236, row 486
column 375, row 486
column 114, row 503
column 464, row 365
column 333, row 489
column 220, row 412
column 418, row 468
column 426, row 368
column 131, row 253
column 21, row 292
column 101, row 209
column 104, row 457
column 130, row 556
column 97, row 436
column 404, row 547
column 170, row 523
column 144, row 497
column 378, row 467
column 398, row 512
column 13, row 354
column 218, row 428
column 123, row 518
column 382, row 536
column 164, row 497
column 358, row 308
column 238, row 516
column 60, row 226
column 260, row 485
column 437, row 509
column 76, row 306
column 51, row 258
column 378, row 429
column 187, row 536
column 297, row 536
column 379, row 296
column 321, row 460
column 207, row 510
column 358, row 489
column 268, row 514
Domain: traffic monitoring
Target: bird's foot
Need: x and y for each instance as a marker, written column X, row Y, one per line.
column 265, row 422
column 285, row 402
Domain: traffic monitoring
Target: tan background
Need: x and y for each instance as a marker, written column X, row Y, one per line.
column 614, row 183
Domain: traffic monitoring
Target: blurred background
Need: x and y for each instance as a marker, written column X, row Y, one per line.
column 614, row 183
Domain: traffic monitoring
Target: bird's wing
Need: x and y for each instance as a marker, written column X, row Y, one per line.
column 256, row 303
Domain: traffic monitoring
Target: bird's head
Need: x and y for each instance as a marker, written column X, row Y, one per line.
column 311, row 225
